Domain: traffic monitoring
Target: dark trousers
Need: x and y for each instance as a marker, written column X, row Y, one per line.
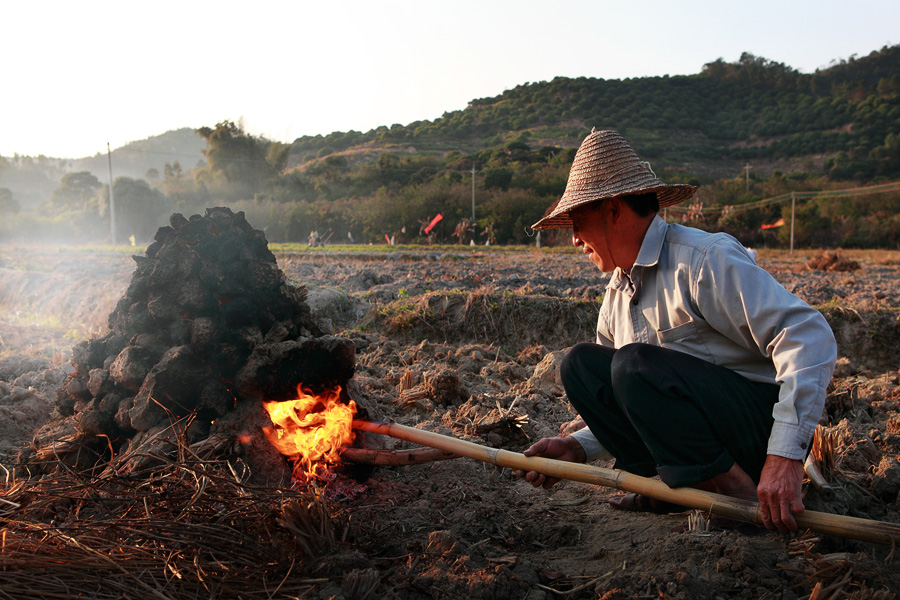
column 661, row 411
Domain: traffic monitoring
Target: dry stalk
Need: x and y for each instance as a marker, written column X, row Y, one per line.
column 836, row 575
column 360, row 584
column 408, row 398
column 309, row 520
column 698, row 520
column 820, row 463
column 823, row 450
column 407, row 381
column 64, row 445
column 11, row 498
column 180, row 526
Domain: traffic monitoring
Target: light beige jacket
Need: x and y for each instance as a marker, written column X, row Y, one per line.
column 702, row 294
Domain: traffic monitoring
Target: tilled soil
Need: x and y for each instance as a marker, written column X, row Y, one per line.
column 467, row 343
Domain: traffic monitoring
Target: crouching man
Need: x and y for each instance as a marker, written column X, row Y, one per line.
column 705, row 371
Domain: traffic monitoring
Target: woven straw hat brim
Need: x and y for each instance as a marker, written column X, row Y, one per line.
column 605, row 166
column 668, row 195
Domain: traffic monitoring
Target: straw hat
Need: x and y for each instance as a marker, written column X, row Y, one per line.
column 606, row 166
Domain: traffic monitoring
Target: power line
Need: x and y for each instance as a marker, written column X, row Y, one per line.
column 849, row 192
column 792, row 196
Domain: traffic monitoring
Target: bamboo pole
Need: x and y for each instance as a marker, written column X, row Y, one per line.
column 745, row 510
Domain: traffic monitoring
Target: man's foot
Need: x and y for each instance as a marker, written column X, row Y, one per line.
column 735, row 483
column 639, row 503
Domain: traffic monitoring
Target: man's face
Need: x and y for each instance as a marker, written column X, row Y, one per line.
column 590, row 232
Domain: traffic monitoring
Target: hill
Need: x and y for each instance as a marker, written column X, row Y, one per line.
column 135, row 159
column 710, row 123
column 32, row 180
column 743, row 132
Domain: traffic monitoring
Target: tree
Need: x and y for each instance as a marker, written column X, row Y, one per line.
column 330, row 170
column 179, row 188
column 173, row 170
column 497, row 178
column 239, row 158
column 8, row 206
column 74, row 192
column 140, row 209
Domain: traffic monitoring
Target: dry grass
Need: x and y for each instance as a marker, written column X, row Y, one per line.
column 186, row 528
column 833, row 576
column 801, row 255
column 512, row 320
column 42, row 309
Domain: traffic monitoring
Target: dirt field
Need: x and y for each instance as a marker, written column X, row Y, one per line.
column 467, row 344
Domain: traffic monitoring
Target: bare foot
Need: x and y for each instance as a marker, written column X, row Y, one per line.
column 735, row 483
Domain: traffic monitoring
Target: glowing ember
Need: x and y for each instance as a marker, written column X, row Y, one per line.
column 311, row 429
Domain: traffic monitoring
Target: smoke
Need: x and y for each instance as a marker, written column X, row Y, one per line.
column 69, row 293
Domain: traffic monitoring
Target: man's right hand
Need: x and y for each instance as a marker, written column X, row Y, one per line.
column 559, row 448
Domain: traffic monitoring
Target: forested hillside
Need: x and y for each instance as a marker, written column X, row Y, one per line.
column 742, row 131
column 754, row 109
column 33, row 179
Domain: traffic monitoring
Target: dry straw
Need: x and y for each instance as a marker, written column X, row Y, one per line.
column 186, row 527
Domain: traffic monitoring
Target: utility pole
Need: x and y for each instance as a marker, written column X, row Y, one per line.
column 112, row 202
column 747, row 168
column 793, row 207
column 473, row 200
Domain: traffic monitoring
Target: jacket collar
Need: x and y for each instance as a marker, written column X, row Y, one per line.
column 648, row 256
column 652, row 245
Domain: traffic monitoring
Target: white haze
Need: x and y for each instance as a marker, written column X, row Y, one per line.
column 77, row 75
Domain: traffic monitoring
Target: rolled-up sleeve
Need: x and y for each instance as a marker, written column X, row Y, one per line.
column 747, row 305
column 592, row 447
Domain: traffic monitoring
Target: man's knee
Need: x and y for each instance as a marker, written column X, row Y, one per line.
column 576, row 361
column 633, row 359
column 631, row 371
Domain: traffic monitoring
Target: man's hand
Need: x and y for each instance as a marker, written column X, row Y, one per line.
column 560, row 448
column 779, row 492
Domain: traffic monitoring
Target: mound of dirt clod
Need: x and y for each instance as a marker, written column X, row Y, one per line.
column 832, row 260
column 208, row 322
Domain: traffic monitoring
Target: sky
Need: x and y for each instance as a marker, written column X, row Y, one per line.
column 77, row 76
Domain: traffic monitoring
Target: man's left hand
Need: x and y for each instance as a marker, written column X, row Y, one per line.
column 779, row 492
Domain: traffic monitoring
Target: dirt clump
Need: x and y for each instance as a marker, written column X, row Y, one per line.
column 832, row 260
column 208, row 321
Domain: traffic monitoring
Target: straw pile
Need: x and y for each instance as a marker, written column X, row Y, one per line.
column 208, row 322
column 186, row 527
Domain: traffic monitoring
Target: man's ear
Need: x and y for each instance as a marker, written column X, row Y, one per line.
column 615, row 209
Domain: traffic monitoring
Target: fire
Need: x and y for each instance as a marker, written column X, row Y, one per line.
column 311, row 429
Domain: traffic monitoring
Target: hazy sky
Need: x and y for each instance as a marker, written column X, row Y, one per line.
column 76, row 75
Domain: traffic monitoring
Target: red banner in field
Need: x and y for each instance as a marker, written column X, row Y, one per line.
column 434, row 222
column 778, row 223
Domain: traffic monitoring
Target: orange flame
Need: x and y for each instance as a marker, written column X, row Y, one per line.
column 311, row 429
